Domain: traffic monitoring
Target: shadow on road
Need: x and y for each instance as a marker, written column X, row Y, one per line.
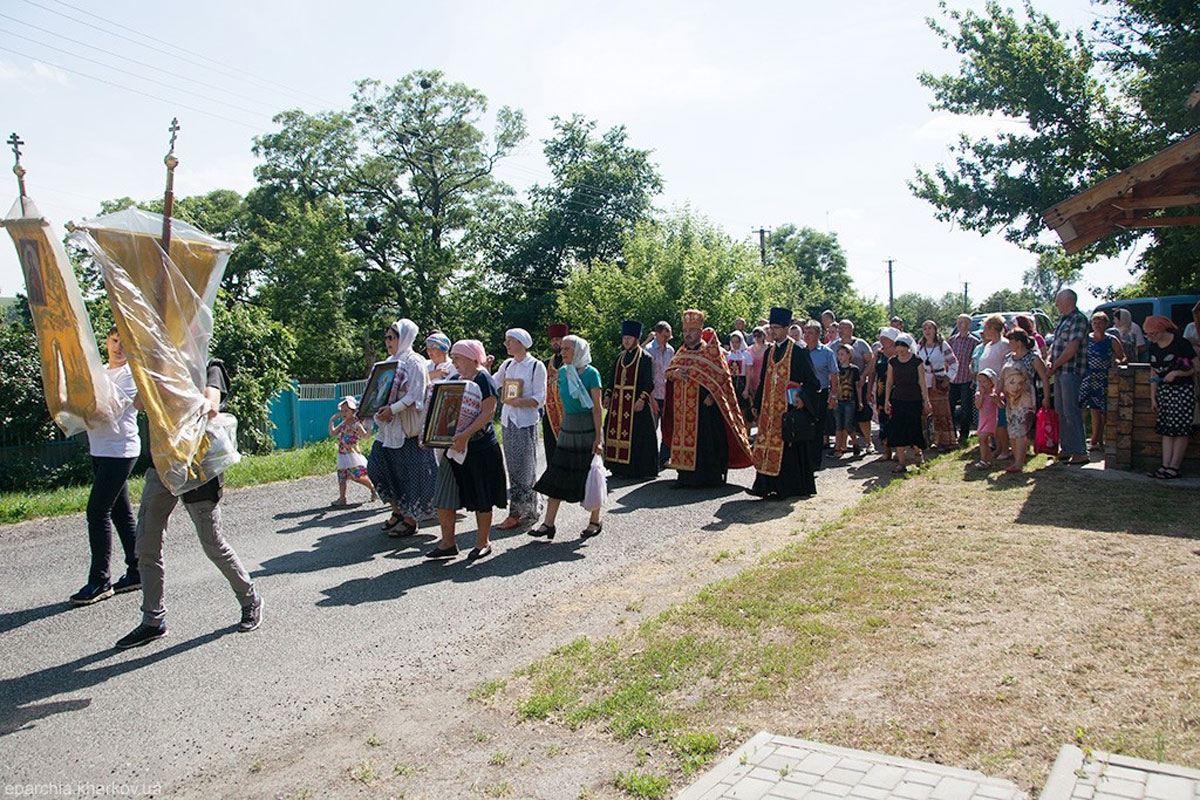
column 340, row 549
column 327, row 517
column 667, row 494
column 399, row 582
column 20, row 708
column 11, row 620
column 747, row 511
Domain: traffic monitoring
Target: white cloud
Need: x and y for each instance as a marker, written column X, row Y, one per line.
column 8, row 71
column 50, row 73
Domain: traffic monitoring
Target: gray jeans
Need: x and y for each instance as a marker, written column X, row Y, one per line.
column 156, row 506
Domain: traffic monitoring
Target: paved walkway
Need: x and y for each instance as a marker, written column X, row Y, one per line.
column 776, row 767
column 1106, row 776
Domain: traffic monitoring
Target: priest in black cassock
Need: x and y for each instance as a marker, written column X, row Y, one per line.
column 785, row 469
column 630, row 444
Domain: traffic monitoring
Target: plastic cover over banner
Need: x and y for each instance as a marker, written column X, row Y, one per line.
column 163, row 310
column 78, row 393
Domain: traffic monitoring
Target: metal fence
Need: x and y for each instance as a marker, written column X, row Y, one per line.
column 301, row 414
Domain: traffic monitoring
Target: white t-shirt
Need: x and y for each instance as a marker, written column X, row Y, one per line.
column 118, row 439
column 993, row 356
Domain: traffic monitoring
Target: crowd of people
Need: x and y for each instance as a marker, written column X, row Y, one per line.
column 784, row 397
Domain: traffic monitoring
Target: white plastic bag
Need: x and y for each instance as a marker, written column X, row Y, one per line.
column 596, row 486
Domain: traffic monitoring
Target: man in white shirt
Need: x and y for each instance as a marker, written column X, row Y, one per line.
column 521, row 381
column 661, row 352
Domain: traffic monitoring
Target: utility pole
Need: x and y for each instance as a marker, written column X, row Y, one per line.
column 891, row 291
column 965, row 309
column 762, row 243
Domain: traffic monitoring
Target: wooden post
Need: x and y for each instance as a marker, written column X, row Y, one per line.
column 169, row 195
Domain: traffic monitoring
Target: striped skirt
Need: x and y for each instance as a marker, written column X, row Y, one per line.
column 567, row 471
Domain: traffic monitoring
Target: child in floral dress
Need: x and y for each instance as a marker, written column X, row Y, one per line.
column 351, row 464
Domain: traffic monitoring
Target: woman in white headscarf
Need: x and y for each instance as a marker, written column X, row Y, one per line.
column 741, row 365
column 402, row 471
column 1133, row 341
column 581, row 437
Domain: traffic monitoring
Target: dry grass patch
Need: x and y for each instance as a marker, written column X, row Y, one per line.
column 974, row 620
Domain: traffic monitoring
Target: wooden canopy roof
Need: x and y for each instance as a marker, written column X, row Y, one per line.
column 1131, row 198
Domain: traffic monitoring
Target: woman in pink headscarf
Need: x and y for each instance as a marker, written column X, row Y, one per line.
column 472, row 474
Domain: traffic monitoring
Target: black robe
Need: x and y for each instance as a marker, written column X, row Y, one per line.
column 796, row 472
column 643, row 458
column 712, row 452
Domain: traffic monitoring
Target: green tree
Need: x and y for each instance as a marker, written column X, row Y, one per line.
column 666, row 266
column 1023, row 299
column 823, row 280
column 1091, row 104
column 601, row 188
column 914, row 308
column 1053, row 272
column 412, row 170
column 23, row 414
column 258, row 353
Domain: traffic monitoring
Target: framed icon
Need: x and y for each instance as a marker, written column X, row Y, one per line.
column 31, row 263
column 737, row 367
column 379, row 386
column 441, row 415
column 794, row 396
column 512, row 389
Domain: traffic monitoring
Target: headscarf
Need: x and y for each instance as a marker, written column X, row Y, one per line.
column 470, row 348
column 906, row 340
column 1124, row 320
column 439, row 340
column 1156, row 324
column 741, row 339
column 582, row 359
column 406, row 334
column 521, row 335
column 889, row 333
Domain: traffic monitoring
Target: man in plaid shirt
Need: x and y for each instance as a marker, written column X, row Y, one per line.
column 1068, row 361
column 962, row 396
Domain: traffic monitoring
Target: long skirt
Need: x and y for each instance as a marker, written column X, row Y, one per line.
column 405, row 476
column 796, row 476
column 480, row 478
column 943, row 422
column 520, row 458
column 1176, row 407
column 1093, row 390
column 906, row 428
column 567, row 471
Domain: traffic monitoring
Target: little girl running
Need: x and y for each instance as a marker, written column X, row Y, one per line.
column 989, row 412
column 351, row 464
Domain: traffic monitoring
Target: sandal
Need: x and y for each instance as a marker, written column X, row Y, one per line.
column 592, row 529
column 545, row 530
column 982, row 465
column 341, row 501
column 392, row 522
column 509, row 523
column 402, row 530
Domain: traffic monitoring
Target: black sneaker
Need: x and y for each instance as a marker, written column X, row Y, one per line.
column 142, row 634
column 92, row 593
column 128, row 583
column 251, row 616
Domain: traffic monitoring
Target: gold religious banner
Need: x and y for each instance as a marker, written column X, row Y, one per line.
column 554, row 404
column 77, row 390
column 162, row 309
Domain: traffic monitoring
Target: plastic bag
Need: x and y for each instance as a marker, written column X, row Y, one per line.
column 596, row 485
column 78, row 393
column 1045, row 439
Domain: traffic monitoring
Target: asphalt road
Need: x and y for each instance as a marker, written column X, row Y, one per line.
column 349, row 614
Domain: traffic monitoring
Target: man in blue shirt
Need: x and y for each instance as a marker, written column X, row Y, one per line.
column 662, row 352
column 826, row 366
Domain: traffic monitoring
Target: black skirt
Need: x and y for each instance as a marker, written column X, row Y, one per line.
column 482, row 484
column 905, row 425
column 566, row 473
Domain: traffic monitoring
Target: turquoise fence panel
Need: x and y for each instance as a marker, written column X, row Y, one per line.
column 301, row 414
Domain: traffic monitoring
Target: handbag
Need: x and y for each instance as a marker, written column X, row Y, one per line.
column 595, row 487
column 799, row 425
column 1045, row 439
column 941, row 383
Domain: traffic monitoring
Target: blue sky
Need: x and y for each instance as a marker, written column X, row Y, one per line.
column 758, row 113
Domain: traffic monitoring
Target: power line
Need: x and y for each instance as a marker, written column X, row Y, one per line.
column 120, row 56
column 173, row 52
column 172, row 102
column 134, row 74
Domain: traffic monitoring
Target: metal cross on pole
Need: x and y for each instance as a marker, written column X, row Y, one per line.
column 169, row 195
column 18, row 170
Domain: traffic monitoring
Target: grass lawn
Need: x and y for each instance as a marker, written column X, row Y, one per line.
column 318, row 458
column 974, row 619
